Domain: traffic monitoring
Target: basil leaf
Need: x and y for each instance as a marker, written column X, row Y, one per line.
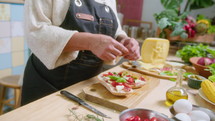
column 114, row 77
column 168, row 73
column 122, row 80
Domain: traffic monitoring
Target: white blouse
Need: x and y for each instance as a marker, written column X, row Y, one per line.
column 44, row 36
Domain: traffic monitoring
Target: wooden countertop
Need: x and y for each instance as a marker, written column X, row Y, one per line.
column 55, row 108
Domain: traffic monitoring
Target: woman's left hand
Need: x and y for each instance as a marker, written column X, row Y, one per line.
column 133, row 46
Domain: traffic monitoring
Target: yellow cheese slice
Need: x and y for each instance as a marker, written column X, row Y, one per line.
column 154, row 52
column 148, row 66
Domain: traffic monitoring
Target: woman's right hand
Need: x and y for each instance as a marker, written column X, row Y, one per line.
column 106, row 48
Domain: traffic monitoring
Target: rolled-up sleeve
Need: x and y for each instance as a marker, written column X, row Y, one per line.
column 45, row 39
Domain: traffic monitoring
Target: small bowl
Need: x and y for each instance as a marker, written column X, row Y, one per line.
column 199, row 68
column 142, row 113
column 194, row 81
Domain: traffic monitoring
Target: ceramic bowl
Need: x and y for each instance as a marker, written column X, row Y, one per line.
column 199, row 68
column 194, row 81
column 142, row 113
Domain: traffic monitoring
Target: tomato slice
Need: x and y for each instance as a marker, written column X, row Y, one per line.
column 128, row 75
column 142, row 79
column 120, row 73
column 110, row 74
column 130, row 80
column 114, row 83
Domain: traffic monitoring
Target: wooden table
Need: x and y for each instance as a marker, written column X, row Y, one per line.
column 55, row 108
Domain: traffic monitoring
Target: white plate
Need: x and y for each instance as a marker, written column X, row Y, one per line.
column 204, row 97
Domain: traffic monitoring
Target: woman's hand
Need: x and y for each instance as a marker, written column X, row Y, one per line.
column 133, row 46
column 104, row 47
column 107, row 48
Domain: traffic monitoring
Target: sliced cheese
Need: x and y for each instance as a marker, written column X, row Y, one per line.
column 148, row 66
column 174, row 64
column 154, row 52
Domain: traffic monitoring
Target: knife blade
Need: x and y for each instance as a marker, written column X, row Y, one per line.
column 82, row 102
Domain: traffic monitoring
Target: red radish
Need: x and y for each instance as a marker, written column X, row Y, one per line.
column 213, row 60
column 204, row 61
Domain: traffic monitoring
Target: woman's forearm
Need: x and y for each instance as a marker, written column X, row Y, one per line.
column 79, row 41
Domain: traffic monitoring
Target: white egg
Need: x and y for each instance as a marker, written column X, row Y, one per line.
column 199, row 115
column 183, row 117
column 182, row 106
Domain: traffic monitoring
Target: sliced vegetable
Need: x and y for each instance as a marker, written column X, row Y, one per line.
column 169, row 73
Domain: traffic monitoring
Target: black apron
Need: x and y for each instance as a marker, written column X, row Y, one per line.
column 84, row 16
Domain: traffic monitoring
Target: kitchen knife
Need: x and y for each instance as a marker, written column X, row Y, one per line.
column 80, row 101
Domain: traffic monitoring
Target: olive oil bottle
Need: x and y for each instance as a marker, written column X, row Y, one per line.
column 176, row 92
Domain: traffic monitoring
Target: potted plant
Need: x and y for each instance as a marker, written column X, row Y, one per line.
column 175, row 22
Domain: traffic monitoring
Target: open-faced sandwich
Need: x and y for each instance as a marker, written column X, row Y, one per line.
column 166, row 70
column 121, row 83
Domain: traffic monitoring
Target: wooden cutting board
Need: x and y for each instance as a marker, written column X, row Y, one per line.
column 154, row 74
column 98, row 94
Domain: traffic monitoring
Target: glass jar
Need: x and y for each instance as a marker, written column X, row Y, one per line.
column 177, row 92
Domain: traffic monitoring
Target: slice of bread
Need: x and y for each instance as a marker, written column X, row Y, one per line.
column 137, row 81
column 112, row 89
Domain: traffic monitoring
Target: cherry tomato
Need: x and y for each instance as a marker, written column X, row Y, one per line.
column 146, row 120
column 153, row 119
column 133, row 118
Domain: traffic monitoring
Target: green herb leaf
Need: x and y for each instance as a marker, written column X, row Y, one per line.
column 93, row 117
column 189, row 51
column 212, row 68
column 172, row 79
column 184, row 35
column 171, row 4
column 168, row 73
column 163, row 23
column 122, row 80
column 114, row 77
column 187, row 73
column 212, row 78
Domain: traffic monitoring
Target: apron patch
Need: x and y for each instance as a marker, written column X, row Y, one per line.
column 85, row 16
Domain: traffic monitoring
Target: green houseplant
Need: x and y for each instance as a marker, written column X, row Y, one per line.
column 173, row 18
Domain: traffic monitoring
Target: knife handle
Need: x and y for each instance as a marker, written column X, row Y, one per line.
column 71, row 96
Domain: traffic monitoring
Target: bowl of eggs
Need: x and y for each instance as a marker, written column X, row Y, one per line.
column 183, row 110
column 141, row 114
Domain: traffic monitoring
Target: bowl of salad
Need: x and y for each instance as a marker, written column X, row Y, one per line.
column 141, row 114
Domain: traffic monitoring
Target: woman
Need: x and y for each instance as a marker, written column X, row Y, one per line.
column 70, row 40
